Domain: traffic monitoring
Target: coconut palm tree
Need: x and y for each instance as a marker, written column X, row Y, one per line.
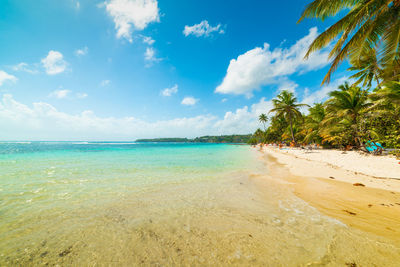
column 368, row 24
column 285, row 104
column 390, row 92
column 345, row 107
column 259, row 134
column 368, row 69
column 312, row 125
column 263, row 119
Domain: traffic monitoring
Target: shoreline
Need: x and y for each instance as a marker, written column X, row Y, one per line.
column 360, row 201
column 381, row 172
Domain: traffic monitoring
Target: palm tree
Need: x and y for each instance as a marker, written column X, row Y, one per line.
column 390, row 92
column 312, row 125
column 259, row 134
column 285, row 104
column 263, row 119
column 368, row 69
column 345, row 108
column 368, row 24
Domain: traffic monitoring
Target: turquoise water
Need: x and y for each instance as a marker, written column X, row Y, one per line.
column 49, row 171
column 124, row 204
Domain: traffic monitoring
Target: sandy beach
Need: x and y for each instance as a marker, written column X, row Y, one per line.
column 362, row 191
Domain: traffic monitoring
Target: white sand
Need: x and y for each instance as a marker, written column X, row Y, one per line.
column 354, row 167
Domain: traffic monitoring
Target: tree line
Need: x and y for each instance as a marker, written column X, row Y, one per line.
column 367, row 36
column 236, row 138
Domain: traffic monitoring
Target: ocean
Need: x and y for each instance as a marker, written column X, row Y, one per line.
column 163, row 204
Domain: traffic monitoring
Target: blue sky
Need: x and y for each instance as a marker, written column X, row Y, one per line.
column 127, row 69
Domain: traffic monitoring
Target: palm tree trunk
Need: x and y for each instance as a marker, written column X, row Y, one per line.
column 356, row 139
column 377, row 82
column 291, row 128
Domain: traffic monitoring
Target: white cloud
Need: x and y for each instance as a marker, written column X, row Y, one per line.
column 130, row 15
column 105, row 82
column 54, row 63
column 189, row 101
column 4, row 76
column 321, row 95
column 81, row 95
column 224, row 100
column 42, row 121
column 243, row 120
column 25, row 67
column 81, row 52
column 148, row 40
column 262, row 66
column 60, row 94
column 202, row 29
column 288, row 86
column 150, row 56
column 170, row 91
column 64, row 93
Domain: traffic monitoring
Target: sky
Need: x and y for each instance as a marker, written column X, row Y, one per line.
column 128, row 69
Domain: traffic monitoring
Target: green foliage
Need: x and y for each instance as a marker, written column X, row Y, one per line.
column 312, row 124
column 368, row 35
column 263, row 119
column 237, row 139
column 395, row 153
column 344, row 119
column 285, row 105
column 368, row 25
column 350, row 117
column 252, row 141
column 368, row 69
column 162, row 140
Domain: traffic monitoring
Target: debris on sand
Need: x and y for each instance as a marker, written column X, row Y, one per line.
column 350, row 212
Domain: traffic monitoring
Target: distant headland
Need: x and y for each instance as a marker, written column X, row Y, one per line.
column 239, row 139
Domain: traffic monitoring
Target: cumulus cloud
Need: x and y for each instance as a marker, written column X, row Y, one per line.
column 288, row 86
column 60, row 94
column 54, row 63
column 189, row 101
column 203, row 29
column 4, row 76
column 130, row 15
column 243, row 120
column 170, row 91
column 262, row 66
column 42, row 121
column 321, row 95
column 81, row 52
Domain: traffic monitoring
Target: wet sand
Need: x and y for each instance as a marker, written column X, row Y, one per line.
column 354, row 199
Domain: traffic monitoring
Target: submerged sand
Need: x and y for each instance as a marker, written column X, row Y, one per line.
column 248, row 217
column 345, row 186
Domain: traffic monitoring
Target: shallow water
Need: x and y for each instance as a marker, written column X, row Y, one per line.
column 163, row 204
